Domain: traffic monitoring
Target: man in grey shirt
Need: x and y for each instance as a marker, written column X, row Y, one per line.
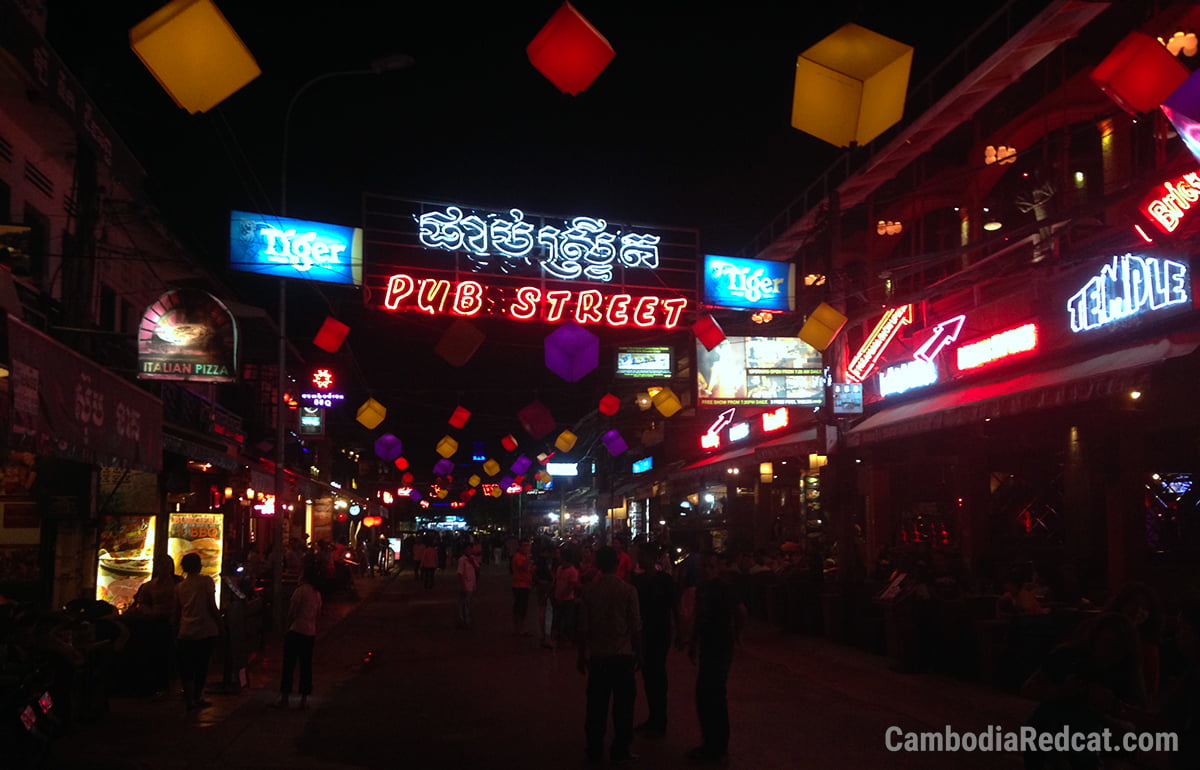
column 610, row 648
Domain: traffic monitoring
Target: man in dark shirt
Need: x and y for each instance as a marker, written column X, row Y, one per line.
column 656, row 597
column 719, row 621
column 609, row 651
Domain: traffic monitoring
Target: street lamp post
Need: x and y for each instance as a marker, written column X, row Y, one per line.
column 389, row 63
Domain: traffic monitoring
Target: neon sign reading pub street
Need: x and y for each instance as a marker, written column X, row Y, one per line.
column 1129, row 285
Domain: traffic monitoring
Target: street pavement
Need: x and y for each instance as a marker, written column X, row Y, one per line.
column 398, row 685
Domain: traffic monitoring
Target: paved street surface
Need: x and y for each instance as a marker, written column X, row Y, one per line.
column 398, row 686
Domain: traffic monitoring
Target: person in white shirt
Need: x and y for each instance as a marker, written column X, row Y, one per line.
column 301, row 635
column 468, row 576
column 199, row 623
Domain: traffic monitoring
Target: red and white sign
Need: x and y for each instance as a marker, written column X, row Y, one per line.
column 1170, row 203
column 998, row 346
column 877, row 341
column 776, row 419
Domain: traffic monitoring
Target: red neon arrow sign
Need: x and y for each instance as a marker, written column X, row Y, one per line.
column 725, row 418
column 877, row 341
column 943, row 334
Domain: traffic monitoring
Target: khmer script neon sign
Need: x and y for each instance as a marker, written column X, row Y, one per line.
column 1128, row 286
column 584, row 249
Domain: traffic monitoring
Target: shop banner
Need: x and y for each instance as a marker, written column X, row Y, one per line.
column 199, row 533
column 749, row 284
column 126, row 558
column 187, row 334
column 67, row 406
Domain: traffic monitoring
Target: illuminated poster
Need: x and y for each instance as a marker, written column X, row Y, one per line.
column 644, row 361
column 295, row 248
column 760, row 371
column 187, row 334
column 200, row 533
column 126, row 558
column 749, row 284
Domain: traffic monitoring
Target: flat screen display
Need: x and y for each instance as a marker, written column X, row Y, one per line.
column 644, row 361
column 760, row 371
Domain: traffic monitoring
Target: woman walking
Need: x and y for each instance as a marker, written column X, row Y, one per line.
column 199, row 623
column 303, row 611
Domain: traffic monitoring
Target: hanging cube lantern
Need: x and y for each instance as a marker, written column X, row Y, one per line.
column 536, row 419
column 459, row 342
column 572, row 352
column 460, row 417
column 521, row 465
column 666, row 402
column 569, row 51
column 822, row 326
column 443, row 466
column 1182, row 108
column 400, row 463
column 415, row 496
column 491, row 467
column 331, row 335
column 506, row 482
column 508, row 442
column 850, row 86
column 565, row 441
column 609, row 405
column 708, row 331
column 542, row 457
column 388, row 447
column 447, row 446
column 406, row 478
column 614, row 443
column 544, row 477
column 442, row 493
column 496, row 491
column 1139, row 74
column 194, row 53
column 371, row 413
column 474, row 480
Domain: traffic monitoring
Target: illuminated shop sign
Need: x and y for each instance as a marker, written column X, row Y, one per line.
column 776, row 419
column 562, row 469
column 1009, row 342
column 1128, row 286
column 944, row 335
column 711, row 438
column 847, row 398
column 643, row 465
column 907, row 376
column 710, row 441
column 877, row 341
column 1169, row 203
column 583, row 248
column 187, row 334
column 312, row 421
column 438, row 296
column 323, row 393
column 295, row 248
column 760, row 371
column 739, row 431
column 749, row 284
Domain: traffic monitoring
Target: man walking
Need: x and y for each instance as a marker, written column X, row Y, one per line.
column 656, row 597
column 609, row 653
column 719, row 621
column 468, row 573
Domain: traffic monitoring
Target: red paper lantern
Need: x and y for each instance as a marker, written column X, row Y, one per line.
column 1139, row 74
column 407, row 478
column 460, row 417
column 708, row 331
column 509, row 443
column 401, row 463
column 610, row 405
column 569, row 51
column 536, row 419
column 332, row 334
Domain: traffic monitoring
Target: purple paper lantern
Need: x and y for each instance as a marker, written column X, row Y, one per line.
column 521, row 465
column 572, row 351
column 414, row 496
column 443, row 466
column 388, row 447
column 613, row 441
column 506, row 482
column 536, row 419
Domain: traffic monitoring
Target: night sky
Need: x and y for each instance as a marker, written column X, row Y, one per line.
column 688, row 127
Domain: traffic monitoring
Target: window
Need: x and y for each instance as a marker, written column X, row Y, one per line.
column 108, row 319
column 39, row 245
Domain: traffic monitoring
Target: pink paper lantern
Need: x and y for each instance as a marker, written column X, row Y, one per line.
column 614, row 443
column 460, row 417
column 610, row 405
column 536, row 419
column 708, row 331
column 572, row 352
column 332, row 334
column 569, row 51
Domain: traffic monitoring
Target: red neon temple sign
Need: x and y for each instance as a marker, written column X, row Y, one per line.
column 1001, row 345
column 877, row 341
column 438, row 296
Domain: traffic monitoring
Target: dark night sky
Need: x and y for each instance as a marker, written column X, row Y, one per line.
column 688, row 127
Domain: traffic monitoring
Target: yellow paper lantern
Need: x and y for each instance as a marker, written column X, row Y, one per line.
column 491, row 467
column 822, row 326
column 371, row 413
column 194, row 53
column 544, row 477
column 447, row 447
column 441, row 493
column 565, row 441
column 496, row 492
column 474, row 480
column 850, row 87
column 666, row 402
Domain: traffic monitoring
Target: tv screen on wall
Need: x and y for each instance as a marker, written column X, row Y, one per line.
column 644, row 361
column 760, row 371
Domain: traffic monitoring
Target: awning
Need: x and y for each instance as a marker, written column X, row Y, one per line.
column 792, row 445
column 68, row 406
column 1097, row 377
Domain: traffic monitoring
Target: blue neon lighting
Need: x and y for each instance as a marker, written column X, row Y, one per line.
column 1128, row 286
column 751, row 284
column 643, row 465
column 295, row 248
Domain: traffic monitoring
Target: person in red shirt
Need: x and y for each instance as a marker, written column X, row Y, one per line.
column 522, row 582
column 624, row 560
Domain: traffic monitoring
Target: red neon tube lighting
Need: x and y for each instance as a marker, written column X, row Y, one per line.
column 1007, row 343
column 877, row 341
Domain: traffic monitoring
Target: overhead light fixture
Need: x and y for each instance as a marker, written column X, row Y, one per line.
column 992, row 225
